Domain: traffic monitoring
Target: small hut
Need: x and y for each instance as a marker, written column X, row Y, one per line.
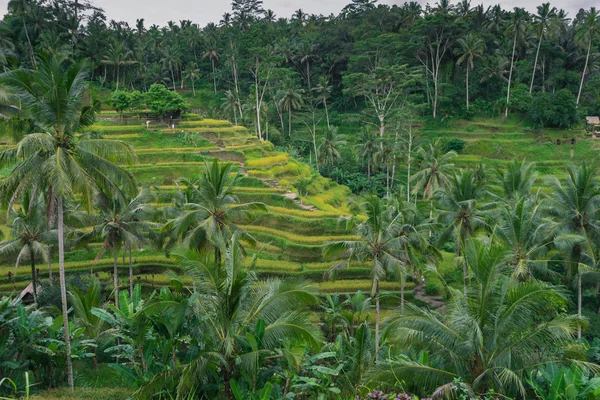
column 593, row 124
column 26, row 296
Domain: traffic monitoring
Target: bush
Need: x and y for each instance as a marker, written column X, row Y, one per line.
column 456, row 145
column 120, row 101
column 165, row 103
column 553, row 110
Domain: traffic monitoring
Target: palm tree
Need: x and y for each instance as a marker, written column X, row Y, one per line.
column 192, row 73
column 329, row 149
column 212, row 54
column 436, row 166
column 29, row 237
column 380, row 243
column 231, row 105
column 171, row 60
column 118, row 56
column 517, row 26
column 306, row 54
column 516, row 180
column 55, row 159
column 586, row 32
column 123, row 224
column 290, row 99
column 21, row 7
column 545, row 16
column 208, row 208
column 575, row 206
column 460, row 214
column 471, row 47
column 366, row 148
column 323, row 90
column 488, row 339
column 234, row 309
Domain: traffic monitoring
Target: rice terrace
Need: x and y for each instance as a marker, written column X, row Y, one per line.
column 373, row 201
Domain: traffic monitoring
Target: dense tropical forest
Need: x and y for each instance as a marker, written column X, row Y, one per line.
column 395, row 202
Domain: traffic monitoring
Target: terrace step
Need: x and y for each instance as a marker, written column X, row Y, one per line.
column 434, row 302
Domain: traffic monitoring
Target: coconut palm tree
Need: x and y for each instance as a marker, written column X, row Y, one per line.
column 231, row 105
column 516, row 27
column 323, row 90
column 545, row 17
column 516, row 180
column 212, row 54
column 22, row 7
column 488, row 338
column 380, row 243
column 171, row 61
column 586, row 33
column 29, row 237
column 306, row 54
column 55, row 159
column 575, row 207
column 460, row 213
column 329, row 149
column 208, row 207
column 470, row 47
column 119, row 57
column 123, row 223
column 233, row 310
column 436, row 165
column 290, row 99
column 191, row 73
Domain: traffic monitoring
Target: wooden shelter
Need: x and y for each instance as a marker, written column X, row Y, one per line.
column 593, row 123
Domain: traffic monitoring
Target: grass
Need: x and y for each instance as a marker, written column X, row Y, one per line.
column 266, row 162
column 292, row 237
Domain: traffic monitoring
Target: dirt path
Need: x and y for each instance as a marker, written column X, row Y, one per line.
column 434, row 302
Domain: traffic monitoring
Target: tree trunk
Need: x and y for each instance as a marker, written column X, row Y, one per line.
column 537, row 53
column 28, row 41
column 193, row 88
column 467, row 84
column 512, row 60
column 258, row 127
column 326, row 111
column 173, row 79
column 115, row 274
column 130, row 276
column 579, row 302
column 290, row 123
column 402, row 285
column 63, row 291
column 308, row 74
column 584, row 70
column 118, row 77
column 377, row 320
column 408, row 163
column 214, row 74
column 33, row 274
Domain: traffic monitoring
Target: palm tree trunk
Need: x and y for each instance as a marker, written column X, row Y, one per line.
column 290, row 123
column 115, row 274
column 214, row 75
column 63, row 290
column 33, row 274
column 308, row 74
column 118, row 77
column 579, row 303
column 28, row 41
column 402, row 286
column 512, row 60
column 130, row 276
column 467, row 83
column 377, row 321
column 537, row 53
column 173, row 79
column 193, row 88
column 584, row 70
column 326, row 111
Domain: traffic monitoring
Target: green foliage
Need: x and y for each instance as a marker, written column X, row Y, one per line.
column 121, row 101
column 554, row 110
column 164, row 102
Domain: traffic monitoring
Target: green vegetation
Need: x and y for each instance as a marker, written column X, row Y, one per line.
column 393, row 203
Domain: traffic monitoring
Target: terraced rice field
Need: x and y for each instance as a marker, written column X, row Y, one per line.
column 290, row 235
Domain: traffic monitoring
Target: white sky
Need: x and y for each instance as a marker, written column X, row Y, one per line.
column 204, row 11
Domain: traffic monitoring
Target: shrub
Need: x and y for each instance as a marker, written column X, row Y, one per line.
column 164, row 102
column 553, row 110
column 456, row 145
column 120, row 101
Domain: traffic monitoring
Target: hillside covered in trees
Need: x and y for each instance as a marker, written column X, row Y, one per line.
column 395, row 202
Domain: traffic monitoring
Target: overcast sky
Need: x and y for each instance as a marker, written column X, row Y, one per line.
column 204, row 11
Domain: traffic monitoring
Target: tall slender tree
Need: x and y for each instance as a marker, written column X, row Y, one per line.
column 586, row 33
column 516, row 28
column 542, row 21
column 470, row 47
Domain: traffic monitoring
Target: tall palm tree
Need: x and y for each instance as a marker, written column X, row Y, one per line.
column 212, row 54
column 171, row 60
column 436, row 166
column 323, row 90
column 545, row 16
column 22, row 7
column 306, row 54
column 470, row 47
column 460, row 213
column 123, row 223
column 29, row 237
column 231, row 105
column 233, row 310
column 119, row 57
column 516, row 27
column 192, row 73
column 586, row 33
column 209, row 206
column 290, row 99
column 488, row 339
column 380, row 244
column 55, row 159
column 575, row 206
column 516, row 180
column 329, row 149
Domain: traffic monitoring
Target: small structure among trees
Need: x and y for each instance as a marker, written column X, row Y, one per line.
column 593, row 124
